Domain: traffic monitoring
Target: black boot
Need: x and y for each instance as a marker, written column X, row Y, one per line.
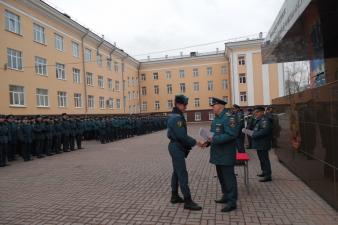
column 228, row 208
column 260, row 175
column 265, row 179
column 191, row 205
column 175, row 198
column 222, row 200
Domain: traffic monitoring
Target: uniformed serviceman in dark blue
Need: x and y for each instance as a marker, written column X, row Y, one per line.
column 239, row 115
column 179, row 147
column 223, row 152
column 261, row 141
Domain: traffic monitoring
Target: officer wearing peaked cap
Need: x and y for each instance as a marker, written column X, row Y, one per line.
column 223, row 152
column 261, row 140
column 179, row 147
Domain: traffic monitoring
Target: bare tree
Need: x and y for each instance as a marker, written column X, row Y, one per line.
column 297, row 76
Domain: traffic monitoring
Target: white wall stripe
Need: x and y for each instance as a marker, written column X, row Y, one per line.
column 235, row 78
column 266, row 84
column 281, row 90
column 250, row 79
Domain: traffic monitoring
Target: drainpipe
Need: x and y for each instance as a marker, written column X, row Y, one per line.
column 84, row 71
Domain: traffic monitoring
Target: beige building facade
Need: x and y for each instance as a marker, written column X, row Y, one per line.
column 50, row 64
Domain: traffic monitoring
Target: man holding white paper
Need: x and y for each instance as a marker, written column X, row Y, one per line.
column 222, row 142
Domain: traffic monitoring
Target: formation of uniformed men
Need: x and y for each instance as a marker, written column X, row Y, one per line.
column 42, row 136
column 227, row 135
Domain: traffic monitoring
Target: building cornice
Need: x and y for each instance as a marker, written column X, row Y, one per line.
column 181, row 59
column 67, row 21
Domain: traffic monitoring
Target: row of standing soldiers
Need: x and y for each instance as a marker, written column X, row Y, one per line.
column 42, row 136
column 248, row 121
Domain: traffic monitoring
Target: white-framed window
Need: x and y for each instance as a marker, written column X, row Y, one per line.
column 76, row 76
column 143, row 77
column 42, row 99
column 197, row 102
column 195, row 72
column 99, row 59
column 156, row 89
column 62, row 99
column 90, row 81
column 39, row 33
column 14, row 59
column 110, row 84
column 40, row 66
column 155, row 76
column 129, row 95
column 91, row 102
column 182, row 73
column 209, row 71
column 224, row 84
column 100, row 81
column 117, row 85
column 243, row 96
column 88, row 55
column 77, row 100
column 144, row 91
column 109, row 64
column 242, row 78
column 59, row 42
column 198, row 116
column 196, row 86
column 169, row 89
column 157, row 105
column 101, row 102
column 75, row 49
column 111, row 103
column 185, row 116
column 60, row 71
column 116, row 67
column 210, row 85
column 168, row 75
column 118, row 103
column 170, row 104
column 211, row 116
column 144, row 106
column 241, row 60
column 16, row 95
column 224, row 70
column 182, row 87
column 13, row 23
column 210, row 100
column 225, row 98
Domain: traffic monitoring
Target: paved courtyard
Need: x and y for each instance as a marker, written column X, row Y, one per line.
column 127, row 182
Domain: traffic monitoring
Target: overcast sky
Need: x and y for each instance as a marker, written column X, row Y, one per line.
column 144, row 26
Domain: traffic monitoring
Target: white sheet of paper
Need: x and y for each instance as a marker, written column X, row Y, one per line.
column 205, row 134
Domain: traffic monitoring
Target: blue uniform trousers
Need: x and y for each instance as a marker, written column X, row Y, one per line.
column 180, row 174
column 227, row 179
column 263, row 156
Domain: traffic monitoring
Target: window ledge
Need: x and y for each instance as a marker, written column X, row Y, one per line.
column 15, row 69
column 18, row 106
column 19, row 34
column 43, row 107
column 40, row 43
